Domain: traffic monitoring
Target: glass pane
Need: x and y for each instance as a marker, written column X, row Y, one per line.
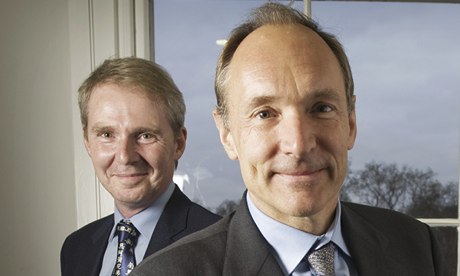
column 406, row 66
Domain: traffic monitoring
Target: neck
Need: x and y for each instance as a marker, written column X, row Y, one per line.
column 128, row 211
column 305, row 219
column 317, row 224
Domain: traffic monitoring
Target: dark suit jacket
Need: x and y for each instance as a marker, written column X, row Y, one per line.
column 381, row 242
column 83, row 250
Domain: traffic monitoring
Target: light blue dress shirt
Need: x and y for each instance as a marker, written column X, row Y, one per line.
column 145, row 222
column 290, row 245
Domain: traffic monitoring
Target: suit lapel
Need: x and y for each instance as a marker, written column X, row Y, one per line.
column 99, row 244
column 248, row 253
column 172, row 222
column 367, row 245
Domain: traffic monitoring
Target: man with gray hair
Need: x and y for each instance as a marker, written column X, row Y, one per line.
column 286, row 112
column 132, row 117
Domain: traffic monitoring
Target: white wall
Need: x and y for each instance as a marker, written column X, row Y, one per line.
column 48, row 187
column 37, row 197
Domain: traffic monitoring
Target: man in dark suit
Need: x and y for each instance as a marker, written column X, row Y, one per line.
column 286, row 112
column 132, row 115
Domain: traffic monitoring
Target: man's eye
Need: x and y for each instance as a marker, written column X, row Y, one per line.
column 264, row 114
column 324, row 108
column 105, row 135
column 146, row 136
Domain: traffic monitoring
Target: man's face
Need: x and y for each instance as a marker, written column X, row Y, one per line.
column 288, row 122
column 132, row 145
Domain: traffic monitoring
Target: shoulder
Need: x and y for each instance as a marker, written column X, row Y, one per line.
column 201, row 252
column 391, row 232
column 200, row 214
column 88, row 232
column 379, row 217
column 197, row 217
column 399, row 231
column 83, row 246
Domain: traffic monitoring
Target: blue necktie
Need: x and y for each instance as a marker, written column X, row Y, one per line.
column 127, row 238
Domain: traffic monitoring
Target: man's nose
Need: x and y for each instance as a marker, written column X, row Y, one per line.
column 296, row 135
column 127, row 151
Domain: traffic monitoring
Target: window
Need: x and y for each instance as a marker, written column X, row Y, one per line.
column 405, row 63
column 405, row 67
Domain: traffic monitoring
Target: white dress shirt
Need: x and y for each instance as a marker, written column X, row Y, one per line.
column 145, row 222
column 290, row 245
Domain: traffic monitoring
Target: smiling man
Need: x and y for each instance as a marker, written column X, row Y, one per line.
column 286, row 112
column 133, row 125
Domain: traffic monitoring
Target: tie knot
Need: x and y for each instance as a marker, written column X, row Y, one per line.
column 126, row 232
column 322, row 260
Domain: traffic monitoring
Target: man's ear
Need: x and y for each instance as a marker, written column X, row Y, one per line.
column 180, row 143
column 85, row 141
column 225, row 136
column 352, row 126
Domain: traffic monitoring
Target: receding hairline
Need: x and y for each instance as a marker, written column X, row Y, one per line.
column 295, row 34
column 276, row 14
column 307, row 33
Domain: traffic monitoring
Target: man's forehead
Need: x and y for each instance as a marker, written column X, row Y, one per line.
column 278, row 36
column 268, row 45
column 104, row 92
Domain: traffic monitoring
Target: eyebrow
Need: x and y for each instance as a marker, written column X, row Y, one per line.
column 261, row 100
column 99, row 129
column 326, row 93
column 146, row 129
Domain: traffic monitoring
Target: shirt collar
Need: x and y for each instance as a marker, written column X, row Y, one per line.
column 290, row 251
column 146, row 220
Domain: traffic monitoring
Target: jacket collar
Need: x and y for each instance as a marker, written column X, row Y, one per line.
column 366, row 243
column 172, row 222
column 248, row 253
column 99, row 239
